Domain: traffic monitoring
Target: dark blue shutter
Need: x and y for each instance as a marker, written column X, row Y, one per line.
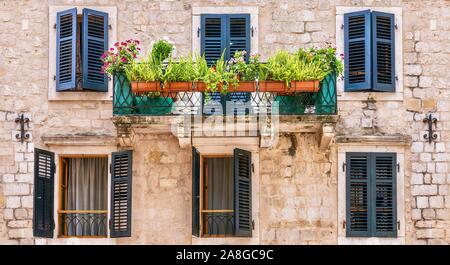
column 121, row 176
column 238, row 39
column 383, row 51
column 243, row 193
column 213, row 42
column 384, row 210
column 94, row 43
column 238, row 33
column 358, row 195
column 44, row 171
column 195, row 192
column 357, row 51
column 66, row 42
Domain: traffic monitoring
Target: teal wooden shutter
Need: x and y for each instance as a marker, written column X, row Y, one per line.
column 66, row 42
column 95, row 42
column 242, row 193
column 358, row 195
column 44, row 171
column 383, row 53
column 195, row 192
column 357, row 51
column 384, row 209
column 121, row 176
column 213, row 30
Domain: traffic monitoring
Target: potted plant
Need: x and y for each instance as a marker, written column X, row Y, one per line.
column 276, row 73
column 179, row 76
column 145, row 76
column 201, row 69
column 245, row 73
column 115, row 61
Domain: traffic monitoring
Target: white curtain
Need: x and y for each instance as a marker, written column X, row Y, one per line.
column 87, row 190
column 220, row 194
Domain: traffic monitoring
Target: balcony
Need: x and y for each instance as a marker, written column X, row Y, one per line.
column 127, row 103
column 189, row 115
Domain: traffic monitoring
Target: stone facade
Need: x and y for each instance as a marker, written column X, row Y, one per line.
column 297, row 192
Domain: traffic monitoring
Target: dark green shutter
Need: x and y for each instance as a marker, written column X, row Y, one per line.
column 357, row 51
column 44, row 171
column 195, row 192
column 95, row 42
column 66, row 42
column 121, row 176
column 383, row 51
column 358, row 194
column 242, row 193
column 384, row 210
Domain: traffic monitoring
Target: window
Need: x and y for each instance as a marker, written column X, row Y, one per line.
column 221, row 203
column 82, row 195
column 369, row 51
column 84, row 192
column 224, row 33
column 80, row 42
column 371, row 209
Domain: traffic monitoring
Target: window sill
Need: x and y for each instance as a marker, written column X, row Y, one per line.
column 378, row 96
column 80, row 96
column 371, row 241
column 231, row 240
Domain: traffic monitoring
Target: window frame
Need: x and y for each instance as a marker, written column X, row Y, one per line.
column 253, row 11
column 203, row 193
column 85, row 95
column 60, row 194
column 221, row 146
column 340, row 45
column 376, row 147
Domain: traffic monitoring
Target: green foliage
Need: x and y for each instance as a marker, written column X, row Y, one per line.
column 181, row 71
column 147, row 70
column 162, row 50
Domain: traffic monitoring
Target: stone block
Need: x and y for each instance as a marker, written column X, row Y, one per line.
column 12, row 202
column 422, row 202
column 436, row 201
column 16, row 189
column 424, row 190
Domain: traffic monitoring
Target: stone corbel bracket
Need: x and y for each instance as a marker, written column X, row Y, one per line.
column 125, row 134
column 327, row 134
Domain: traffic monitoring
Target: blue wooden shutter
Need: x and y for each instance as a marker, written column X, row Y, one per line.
column 213, row 30
column 383, row 51
column 95, row 42
column 44, row 171
column 243, row 192
column 66, row 43
column 195, row 192
column 238, row 39
column 121, row 176
column 357, row 51
column 384, row 209
column 238, row 34
column 358, row 205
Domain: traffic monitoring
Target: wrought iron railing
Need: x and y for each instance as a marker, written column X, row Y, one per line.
column 218, row 222
column 83, row 223
column 128, row 103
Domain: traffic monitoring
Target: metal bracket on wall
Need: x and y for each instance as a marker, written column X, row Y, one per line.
column 431, row 135
column 22, row 135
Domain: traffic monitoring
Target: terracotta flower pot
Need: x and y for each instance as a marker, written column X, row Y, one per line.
column 177, row 87
column 246, row 86
column 304, row 86
column 272, row 86
column 200, row 87
column 139, row 87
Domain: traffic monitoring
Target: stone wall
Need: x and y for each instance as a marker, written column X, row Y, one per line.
column 286, row 24
column 298, row 192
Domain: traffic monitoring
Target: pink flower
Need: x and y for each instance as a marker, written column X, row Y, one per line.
column 116, row 44
column 112, row 49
